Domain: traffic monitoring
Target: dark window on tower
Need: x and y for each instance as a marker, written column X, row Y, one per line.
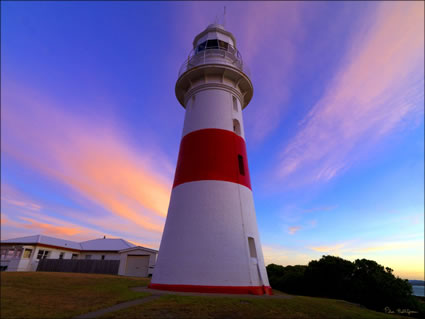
column 235, row 104
column 252, row 250
column 212, row 44
column 223, row 45
column 202, row 46
column 241, row 166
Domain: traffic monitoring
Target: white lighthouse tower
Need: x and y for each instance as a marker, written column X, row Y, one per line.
column 210, row 241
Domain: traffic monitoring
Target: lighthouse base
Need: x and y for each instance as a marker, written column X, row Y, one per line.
column 248, row 290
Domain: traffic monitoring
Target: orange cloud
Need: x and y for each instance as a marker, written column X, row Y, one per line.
column 293, row 229
column 50, row 229
column 11, row 196
column 89, row 157
column 334, row 249
column 379, row 86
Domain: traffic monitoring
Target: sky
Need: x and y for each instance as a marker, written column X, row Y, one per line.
column 90, row 125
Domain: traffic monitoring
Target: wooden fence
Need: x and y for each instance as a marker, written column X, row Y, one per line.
column 79, row 265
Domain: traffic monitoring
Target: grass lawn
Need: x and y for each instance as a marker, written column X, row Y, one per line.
column 62, row 295
column 65, row 295
column 172, row 306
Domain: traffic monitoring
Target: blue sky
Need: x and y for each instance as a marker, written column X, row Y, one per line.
column 335, row 130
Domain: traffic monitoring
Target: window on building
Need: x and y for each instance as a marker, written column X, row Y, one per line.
column 193, row 100
column 3, row 253
column 236, row 127
column 10, row 253
column 43, row 254
column 61, row 255
column 18, row 253
column 103, row 257
column 202, row 46
column 74, row 256
column 27, row 253
column 223, row 45
column 241, row 166
column 252, row 250
column 87, row 257
column 235, row 104
column 212, row 44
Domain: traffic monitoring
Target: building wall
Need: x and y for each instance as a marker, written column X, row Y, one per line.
column 17, row 262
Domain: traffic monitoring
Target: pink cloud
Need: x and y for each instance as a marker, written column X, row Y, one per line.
column 377, row 89
column 293, row 229
column 90, row 158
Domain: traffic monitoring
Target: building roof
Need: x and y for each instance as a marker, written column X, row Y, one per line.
column 106, row 244
column 101, row 244
column 46, row 240
column 138, row 247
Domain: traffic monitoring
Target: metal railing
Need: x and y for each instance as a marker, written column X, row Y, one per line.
column 215, row 55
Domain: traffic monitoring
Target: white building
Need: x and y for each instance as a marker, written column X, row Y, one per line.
column 24, row 253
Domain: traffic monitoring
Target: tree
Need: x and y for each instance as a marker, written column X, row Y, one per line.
column 364, row 282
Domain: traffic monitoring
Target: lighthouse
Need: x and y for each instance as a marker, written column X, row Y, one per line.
column 210, row 241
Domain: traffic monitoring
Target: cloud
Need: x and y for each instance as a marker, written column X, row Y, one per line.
column 269, row 36
column 91, row 158
column 378, row 88
column 357, row 246
column 50, row 229
column 13, row 197
column 333, row 249
column 283, row 256
column 293, row 229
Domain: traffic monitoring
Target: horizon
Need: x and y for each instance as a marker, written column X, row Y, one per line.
column 335, row 130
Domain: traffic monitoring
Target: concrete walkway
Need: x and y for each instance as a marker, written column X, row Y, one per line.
column 98, row 313
column 155, row 294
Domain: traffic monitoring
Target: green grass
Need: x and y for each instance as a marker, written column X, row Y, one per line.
column 62, row 295
column 172, row 306
column 65, row 295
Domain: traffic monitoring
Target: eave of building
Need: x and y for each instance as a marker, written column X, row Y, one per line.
column 42, row 245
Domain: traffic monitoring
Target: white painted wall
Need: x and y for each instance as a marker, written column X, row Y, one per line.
column 205, row 239
column 212, row 108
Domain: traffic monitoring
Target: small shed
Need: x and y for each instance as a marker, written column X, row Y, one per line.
column 137, row 261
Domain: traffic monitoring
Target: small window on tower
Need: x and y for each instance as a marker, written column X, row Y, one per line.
column 236, row 127
column 193, row 100
column 241, row 166
column 252, row 250
column 235, row 104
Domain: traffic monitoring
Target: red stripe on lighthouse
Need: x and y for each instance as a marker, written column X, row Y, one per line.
column 253, row 290
column 212, row 154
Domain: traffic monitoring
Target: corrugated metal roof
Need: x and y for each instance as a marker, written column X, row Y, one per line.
column 102, row 244
column 106, row 244
column 47, row 240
